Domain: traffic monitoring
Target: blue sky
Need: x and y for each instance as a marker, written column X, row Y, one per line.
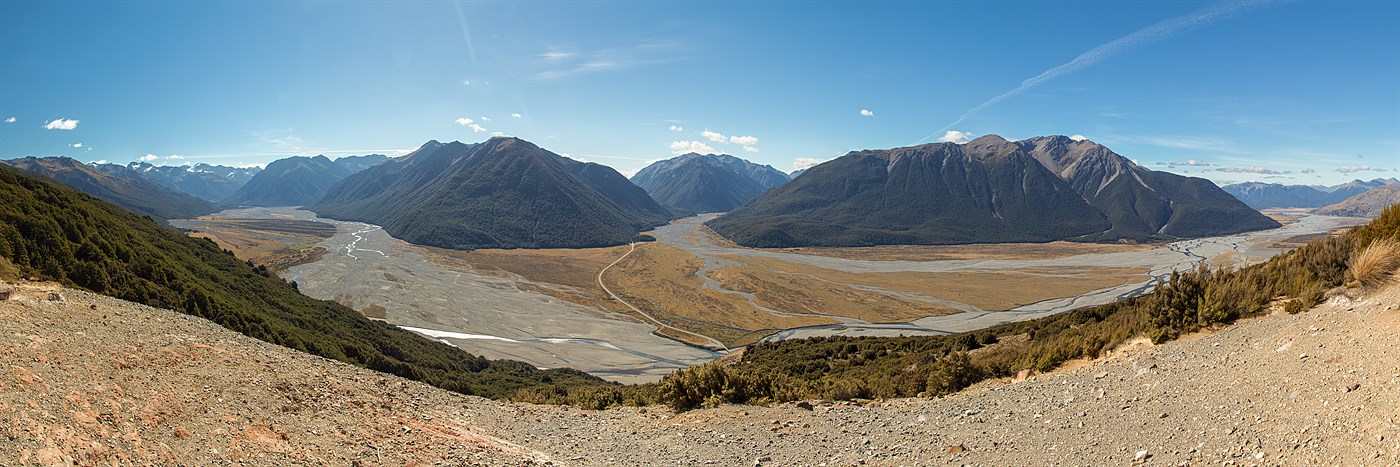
column 1292, row 92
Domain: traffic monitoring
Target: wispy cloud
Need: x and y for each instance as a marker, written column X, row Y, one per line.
column 1189, row 163
column 750, row 149
column 61, row 124
column 1153, row 33
column 1257, row 169
column 77, row 145
column 485, row 119
column 148, row 158
column 516, row 115
column 644, row 52
column 1353, row 169
column 10, row 120
column 676, row 128
column 866, row 113
column 714, row 136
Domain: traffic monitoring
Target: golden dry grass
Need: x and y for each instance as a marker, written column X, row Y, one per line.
column 993, row 291
column 278, row 244
column 1373, row 265
column 662, row 279
column 802, row 293
column 1025, row 251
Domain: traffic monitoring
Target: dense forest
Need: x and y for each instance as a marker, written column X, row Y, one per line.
column 57, row 233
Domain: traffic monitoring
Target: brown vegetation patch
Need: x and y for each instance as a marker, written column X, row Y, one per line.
column 993, row 291
column 1025, row 251
column 803, row 293
column 662, row 280
column 276, row 243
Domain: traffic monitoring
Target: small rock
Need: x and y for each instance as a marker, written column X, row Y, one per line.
column 1353, row 387
column 763, row 459
column 804, row 405
column 956, row 448
column 1141, row 456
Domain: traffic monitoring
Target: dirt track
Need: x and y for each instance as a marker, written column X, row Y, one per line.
column 98, row 380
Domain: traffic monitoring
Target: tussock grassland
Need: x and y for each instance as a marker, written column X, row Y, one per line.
column 1372, row 266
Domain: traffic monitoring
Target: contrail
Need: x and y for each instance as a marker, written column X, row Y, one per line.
column 1156, row 32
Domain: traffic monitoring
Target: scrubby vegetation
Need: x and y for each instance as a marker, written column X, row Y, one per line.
column 57, row 233
column 864, row 367
column 1373, row 264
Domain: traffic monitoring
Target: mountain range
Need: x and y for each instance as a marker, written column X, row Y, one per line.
column 988, row 190
column 118, row 185
column 298, row 181
column 707, row 183
column 1368, row 203
column 1273, row 195
column 54, row 232
column 502, row 193
column 208, row 182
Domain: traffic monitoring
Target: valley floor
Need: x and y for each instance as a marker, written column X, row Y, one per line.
column 96, row 380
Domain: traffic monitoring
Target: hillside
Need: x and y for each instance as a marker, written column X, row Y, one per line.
column 1273, row 195
column 1369, row 203
column 59, row 234
column 707, row 183
column 297, row 181
column 211, row 183
column 121, row 186
column 1306, row 389
column 502, row 193
column 986, row 191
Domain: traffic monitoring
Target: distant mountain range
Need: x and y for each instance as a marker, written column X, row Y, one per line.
column 1273, row 195
column 502, row 193
column 1368, row 203
column 298, row 181
column 204, row 181
column 986, row 191
column 53, row 232
column 707, row 183
column 119, row 185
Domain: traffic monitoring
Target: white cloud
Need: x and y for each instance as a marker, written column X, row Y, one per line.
column 466, row 82
column 744, row 140
column 805, row 162
column 464, row 121
column 866, row 113
column 1256, row 169
column 676, row 128
column 148, row 158
column 954, row 136
column 98, row 162
column 516, row 115
column 497, row 133
column 1189, row 163
column 750, row 149
column 1353, row 169
column 485, row 119
column 1308, row 171
column 682, row 147
column 712, row 136
column 61, row 124
column 476, row 128
column 10, row 120
column 175, row 157
column 77, row 145
column 554, row 56
column 629, row 173
column 1078, row 137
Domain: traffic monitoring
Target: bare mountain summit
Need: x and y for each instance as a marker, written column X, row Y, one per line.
column 989, row 190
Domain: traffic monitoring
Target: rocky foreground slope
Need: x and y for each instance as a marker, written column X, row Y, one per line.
column 91, row 379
